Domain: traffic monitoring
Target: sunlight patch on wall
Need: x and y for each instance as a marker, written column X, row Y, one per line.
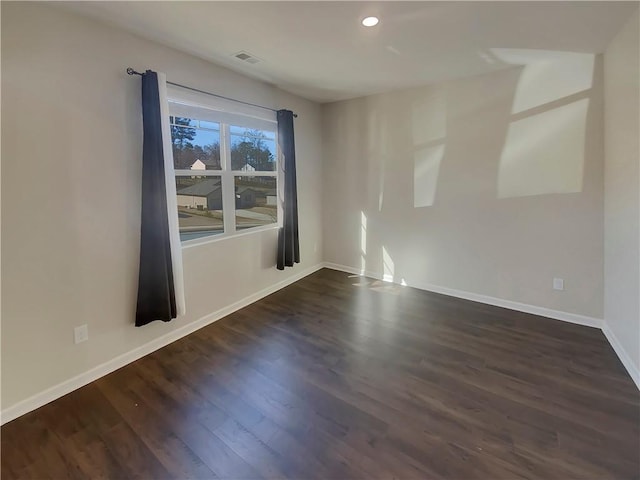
column 363, row 242
column 378, row 149
column 547, row 75
column 544, row 153
column 429, row 129
column 426, row 165
column 388, row 268
column 428, row 117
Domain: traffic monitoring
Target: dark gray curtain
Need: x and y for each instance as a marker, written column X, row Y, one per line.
column 288, row 240
column 156, row 291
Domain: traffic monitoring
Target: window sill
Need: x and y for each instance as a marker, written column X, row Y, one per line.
column 227, row 236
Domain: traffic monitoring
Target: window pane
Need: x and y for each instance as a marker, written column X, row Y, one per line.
column 252, row 150
column 196, row 144
column 256, row 201
column 199, row 207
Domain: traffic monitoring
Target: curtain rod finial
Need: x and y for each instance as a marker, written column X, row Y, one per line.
column 131, row 71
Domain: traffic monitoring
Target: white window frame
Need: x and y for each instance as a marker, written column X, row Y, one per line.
column 227, row 113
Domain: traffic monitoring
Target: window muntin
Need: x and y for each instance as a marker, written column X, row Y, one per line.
column 226, row 173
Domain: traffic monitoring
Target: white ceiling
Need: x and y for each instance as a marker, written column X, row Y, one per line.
column 320, row 51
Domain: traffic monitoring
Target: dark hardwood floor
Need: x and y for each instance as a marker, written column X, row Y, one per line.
column 341, row 377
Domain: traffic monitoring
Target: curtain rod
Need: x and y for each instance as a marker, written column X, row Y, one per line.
column 131, row 71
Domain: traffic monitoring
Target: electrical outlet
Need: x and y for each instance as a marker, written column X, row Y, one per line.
column 558, row 284
column 81, row 334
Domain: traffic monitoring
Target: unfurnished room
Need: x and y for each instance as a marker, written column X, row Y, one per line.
column 320, row 240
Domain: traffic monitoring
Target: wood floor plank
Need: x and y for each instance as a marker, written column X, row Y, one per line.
column 176, row 457
column 344, row 377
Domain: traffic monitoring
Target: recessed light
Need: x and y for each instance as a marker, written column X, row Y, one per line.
column 370, row 21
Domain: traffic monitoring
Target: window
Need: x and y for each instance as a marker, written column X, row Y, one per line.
column 226, row 171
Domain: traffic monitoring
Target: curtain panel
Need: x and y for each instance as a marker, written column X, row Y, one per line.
column 288, row 238
column 160, row 280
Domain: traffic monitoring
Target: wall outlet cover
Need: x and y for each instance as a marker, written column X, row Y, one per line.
column 558, row 284
column 81, row 334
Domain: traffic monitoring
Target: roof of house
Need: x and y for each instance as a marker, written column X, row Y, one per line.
column 212, row 162
column 201, row 189
column 244, row 189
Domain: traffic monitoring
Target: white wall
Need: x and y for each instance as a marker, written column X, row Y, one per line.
column 622, row 195
column 71, row 165
column 490, row 185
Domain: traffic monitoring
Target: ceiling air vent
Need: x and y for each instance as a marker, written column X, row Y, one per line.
column 246, row 57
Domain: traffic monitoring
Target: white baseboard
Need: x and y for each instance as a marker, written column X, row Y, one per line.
column 353, row 270
column 518, row 306
column 476, row 297
column 57, row 391
column 624, row 357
